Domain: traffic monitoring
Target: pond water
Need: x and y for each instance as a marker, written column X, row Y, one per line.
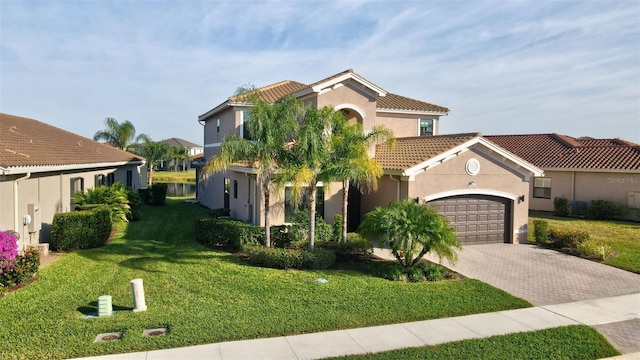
column 181, row 189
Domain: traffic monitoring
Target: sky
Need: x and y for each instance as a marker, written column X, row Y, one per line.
column 501, row 67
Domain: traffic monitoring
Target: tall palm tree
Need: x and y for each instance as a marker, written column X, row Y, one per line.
column 351, row 162
column 311, row 155
column 271, row 127
column 119, row 135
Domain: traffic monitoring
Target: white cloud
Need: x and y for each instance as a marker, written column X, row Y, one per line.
column 501, row 67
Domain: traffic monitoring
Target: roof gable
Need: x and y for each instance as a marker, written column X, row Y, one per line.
column 555, row 151
column 386, row 102
column 31, row 145
column 414, row 155
column 177, row 142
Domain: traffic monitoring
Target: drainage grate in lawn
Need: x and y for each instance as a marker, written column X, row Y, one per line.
column 155, row 332
column 106, row 337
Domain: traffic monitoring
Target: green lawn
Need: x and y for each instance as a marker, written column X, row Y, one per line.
column 571, row 342
column 206, row 296
column 174, row 176
column 622, row 236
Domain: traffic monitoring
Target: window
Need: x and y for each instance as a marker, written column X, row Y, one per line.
column 289, row 209
column 77, row 185
column 129, row 179
column 426, row 127
column 244, row 132
column 99, row 180
column 542, row 188
column 111, row 178
column 235, row 189
column 227, row 184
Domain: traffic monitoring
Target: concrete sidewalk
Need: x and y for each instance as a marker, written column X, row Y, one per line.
column 389, row 337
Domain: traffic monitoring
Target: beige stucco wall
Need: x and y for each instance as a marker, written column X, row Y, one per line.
column 586, row 186
column 450, row 178
column 52, row 191
column 404, row 125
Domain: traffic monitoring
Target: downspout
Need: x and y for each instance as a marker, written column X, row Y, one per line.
column 397, row 181
column 16, row 213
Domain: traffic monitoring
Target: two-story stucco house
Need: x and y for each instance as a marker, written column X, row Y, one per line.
column 479, row 186
column 42, row 167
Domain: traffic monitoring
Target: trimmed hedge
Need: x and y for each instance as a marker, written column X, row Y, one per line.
column 227, row 233
column 561, row 239
column 541, row 231
column 289, row 258
column 158, row 194
column 561, row 206
column 356, row 245
column 604, row 210
column 83, row 229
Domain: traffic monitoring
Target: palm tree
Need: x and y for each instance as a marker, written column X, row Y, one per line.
column 351, row 162
column 311, row 157
column 411, row 230
column 271, row 127
column 179, row 154
column 119, row 135
column 154, row 152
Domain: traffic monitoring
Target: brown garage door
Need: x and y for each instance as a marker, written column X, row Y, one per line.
column 478, row 219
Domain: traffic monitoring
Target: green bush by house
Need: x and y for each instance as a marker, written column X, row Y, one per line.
column 229, row 234
column 83, row 229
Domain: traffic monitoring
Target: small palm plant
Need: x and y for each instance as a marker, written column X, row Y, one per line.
column 114, row 196
column 411, row 231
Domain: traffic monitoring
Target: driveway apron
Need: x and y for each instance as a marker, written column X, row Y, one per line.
column 542, row 276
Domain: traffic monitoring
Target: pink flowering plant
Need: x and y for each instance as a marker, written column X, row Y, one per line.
column 15, row 268
column 8, row 248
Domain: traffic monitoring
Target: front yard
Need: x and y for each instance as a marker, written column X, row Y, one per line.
column 622, row 236
column 205, row 296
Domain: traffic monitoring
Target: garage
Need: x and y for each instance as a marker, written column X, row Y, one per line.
column 478, row 219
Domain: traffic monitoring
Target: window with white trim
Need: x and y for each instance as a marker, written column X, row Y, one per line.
column 542, row 188
column 425, row 127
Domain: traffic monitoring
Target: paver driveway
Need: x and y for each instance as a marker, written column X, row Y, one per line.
column 542, row 276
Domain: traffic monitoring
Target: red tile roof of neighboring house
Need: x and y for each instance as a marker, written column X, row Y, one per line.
column 390, row 102
column 31, row 143
column 555, row 151
column 411, row 151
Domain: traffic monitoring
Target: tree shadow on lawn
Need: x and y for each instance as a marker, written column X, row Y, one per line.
column 92, row 308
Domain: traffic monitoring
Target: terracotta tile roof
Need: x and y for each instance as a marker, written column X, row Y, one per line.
column 27, row 142
column 412, row 151
column 390, row 102
column 273, row 92
column 397, row 102
column 554, row 151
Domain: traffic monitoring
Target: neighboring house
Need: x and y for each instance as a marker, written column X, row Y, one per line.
column 579, row 169
column 479, row 186
column 180, row 165
column 41, row 168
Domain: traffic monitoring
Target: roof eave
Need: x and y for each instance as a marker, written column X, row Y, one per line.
column 48, row 168
column 598, row 170
column 412, row 112
column 218, row 109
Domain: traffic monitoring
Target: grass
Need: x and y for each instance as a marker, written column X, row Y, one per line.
column 571, row 342
column 188, row 176
column 622, row 236
column 204, row 296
